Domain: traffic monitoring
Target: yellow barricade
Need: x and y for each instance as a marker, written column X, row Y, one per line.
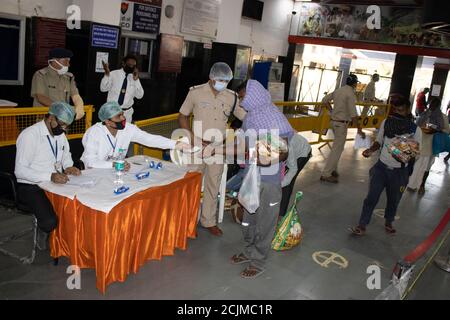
column 303, row 116
column 163, row 126
column 314, row 117
column 14, row 120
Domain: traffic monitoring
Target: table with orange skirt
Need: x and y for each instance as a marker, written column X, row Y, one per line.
column 145, row 226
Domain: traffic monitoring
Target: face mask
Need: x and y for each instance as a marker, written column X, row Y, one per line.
column 398, row 115
column 58, row 130
column 220, row 86
column 120, row 125
column 128, row 69
column 61, row 71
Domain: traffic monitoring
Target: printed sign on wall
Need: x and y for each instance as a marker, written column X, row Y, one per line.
column 201, row 17
column 104, row 36
column 139, row 17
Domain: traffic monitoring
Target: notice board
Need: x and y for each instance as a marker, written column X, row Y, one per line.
column 201, row 17
column 141, row 16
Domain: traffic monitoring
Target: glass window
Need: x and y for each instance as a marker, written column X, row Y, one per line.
column 143, row 50
column 12, row 33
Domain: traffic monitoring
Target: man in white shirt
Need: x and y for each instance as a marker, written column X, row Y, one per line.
column 123, row 85
column 106, row 140
column 43, row 154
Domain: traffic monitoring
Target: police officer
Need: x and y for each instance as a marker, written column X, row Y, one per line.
column 369, row 93
column 211, row 104
column 343, row 113
column 55, row 83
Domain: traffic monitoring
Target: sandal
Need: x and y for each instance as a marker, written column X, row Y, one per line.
column 237, row 213
column 358, row 230
column 228, row 203
column 421, row 191
column 389, row 229
column 239, row 259
column 251, row 272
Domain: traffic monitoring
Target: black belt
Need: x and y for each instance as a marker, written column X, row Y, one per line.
column 126, row 109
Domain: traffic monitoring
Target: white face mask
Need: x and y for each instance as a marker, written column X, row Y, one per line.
column 220, row 86
column 61, row 71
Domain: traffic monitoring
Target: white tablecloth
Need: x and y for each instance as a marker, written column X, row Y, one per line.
column 7, row 103
column 101, row 195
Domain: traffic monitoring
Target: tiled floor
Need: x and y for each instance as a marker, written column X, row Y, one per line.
column 203, row 270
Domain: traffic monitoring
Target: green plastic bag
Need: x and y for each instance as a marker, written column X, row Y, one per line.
column 289, row 231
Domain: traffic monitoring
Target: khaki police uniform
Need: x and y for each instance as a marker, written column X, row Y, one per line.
column 57, row 87
column 369, row 96
column 212, row 112
column 344, row 110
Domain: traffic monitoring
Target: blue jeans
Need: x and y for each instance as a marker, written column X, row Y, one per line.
column 394, row 180
column 235, row 182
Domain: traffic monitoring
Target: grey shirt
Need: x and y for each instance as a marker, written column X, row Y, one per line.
column 299, row 147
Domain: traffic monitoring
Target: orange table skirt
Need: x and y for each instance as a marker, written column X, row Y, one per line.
column 148, row 225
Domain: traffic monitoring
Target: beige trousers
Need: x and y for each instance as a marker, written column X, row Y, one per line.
column 340, row 135
column 212, row 174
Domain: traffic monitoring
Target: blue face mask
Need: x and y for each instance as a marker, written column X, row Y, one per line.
column 220, row 86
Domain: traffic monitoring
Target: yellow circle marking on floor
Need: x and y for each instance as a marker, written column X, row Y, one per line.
column 327, row 258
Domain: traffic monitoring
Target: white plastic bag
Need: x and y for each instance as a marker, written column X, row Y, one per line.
column 250, row 189
column 361, row 143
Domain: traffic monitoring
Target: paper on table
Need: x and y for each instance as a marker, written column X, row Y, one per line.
column 104, row 199
column 136, row 167
column 82, row 181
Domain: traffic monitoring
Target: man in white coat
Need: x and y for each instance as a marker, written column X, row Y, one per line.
column 107, row 140
column 123, row 85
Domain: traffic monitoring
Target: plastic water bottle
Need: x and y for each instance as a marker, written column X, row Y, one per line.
column 119, row 166
column 122, row 154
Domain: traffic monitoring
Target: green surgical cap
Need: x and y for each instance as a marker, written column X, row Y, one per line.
column 109, row 110
column 221, row 71
column 63, row 111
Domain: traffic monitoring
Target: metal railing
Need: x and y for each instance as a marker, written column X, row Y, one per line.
column 14, row 120
column 163, row 126
column 303, row 116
